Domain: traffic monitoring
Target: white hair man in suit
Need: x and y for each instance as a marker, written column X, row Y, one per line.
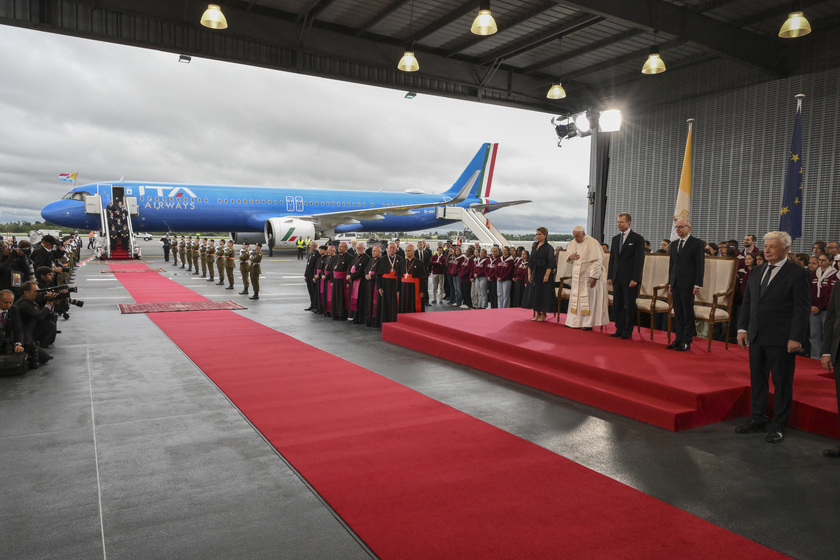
column 775, row 321
column 831, row 350
column 686, row 266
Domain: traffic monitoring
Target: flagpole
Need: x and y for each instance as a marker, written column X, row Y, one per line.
column 683, row 204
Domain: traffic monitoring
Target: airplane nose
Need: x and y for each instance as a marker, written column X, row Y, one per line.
column 54, row 211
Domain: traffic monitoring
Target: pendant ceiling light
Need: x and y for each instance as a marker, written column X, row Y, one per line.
column 213, row 17
column 795, row 26
column 556, row 90
column 654, row 64
column 408, row 62
column 484, row 24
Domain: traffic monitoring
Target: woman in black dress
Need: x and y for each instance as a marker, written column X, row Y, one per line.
column 541, row 275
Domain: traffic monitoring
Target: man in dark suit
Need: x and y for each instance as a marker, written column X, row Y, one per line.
column 309, row 276
column 831, row 350
column 775, row 320
column 11, row 329
column 685, row 278
column 627, row 260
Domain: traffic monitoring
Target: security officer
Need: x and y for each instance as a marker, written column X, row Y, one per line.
column 301, row 247
column 210, row 255
column 220, row 262
column 244, row 266
column 230, row 263
column 255, row 268
column 202, row 257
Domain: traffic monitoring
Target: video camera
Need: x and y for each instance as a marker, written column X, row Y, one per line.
column 63, row 292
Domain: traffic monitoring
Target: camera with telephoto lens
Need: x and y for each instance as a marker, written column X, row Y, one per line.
column 64, row 292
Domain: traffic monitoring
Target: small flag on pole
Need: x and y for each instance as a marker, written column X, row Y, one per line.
column 69, row 177
column 790, row 215
column 683, row 206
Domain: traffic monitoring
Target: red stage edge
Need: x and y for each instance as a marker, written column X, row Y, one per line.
column 635, row 378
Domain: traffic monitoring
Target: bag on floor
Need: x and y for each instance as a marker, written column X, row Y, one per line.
column 12, row 364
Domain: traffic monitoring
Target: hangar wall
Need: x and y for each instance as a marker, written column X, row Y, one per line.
column 741, row 137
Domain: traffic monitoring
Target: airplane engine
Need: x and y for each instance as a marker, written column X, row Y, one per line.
column 286, row 231
column 239, row 237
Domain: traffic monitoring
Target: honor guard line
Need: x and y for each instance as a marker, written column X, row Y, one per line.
column 278, row 216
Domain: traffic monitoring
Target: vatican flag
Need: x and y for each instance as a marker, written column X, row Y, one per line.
column 684, row 194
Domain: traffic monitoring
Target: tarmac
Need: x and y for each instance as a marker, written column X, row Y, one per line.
column 121, row 448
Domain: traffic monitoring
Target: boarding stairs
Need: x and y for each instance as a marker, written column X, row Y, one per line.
column 93, row 205
column 476, row 221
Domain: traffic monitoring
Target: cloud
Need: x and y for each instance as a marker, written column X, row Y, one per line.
column 109, row 111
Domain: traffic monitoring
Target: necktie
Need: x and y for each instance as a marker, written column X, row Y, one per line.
column 766, row 279
column 2, row 319
column 681, row 245
column 621, row 243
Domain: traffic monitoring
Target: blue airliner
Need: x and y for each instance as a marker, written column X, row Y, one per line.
column 284, row 214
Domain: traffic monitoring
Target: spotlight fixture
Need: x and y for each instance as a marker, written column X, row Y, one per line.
column 610, row 120
column 213, row 17
column 795, row 26
column 484, row 23
column 584, row 127
column 411, row 95
column 185, row 58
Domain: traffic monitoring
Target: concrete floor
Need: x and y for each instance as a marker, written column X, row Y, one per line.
column 121, row 447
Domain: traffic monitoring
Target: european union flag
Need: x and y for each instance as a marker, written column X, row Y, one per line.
column 790, row 218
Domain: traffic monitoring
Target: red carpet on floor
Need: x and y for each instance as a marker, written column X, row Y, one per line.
column 637, row 378
column 415, row 478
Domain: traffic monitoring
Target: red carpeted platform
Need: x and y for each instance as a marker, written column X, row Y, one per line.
column 637, row 378
column 415, row 478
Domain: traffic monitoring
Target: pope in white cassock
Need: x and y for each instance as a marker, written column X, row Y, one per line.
column 588, row 295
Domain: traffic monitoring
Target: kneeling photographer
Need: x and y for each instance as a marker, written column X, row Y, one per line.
column 38, row 325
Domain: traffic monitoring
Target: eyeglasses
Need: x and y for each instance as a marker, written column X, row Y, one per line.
column 678, row 227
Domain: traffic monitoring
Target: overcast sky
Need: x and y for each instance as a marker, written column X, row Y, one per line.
column 109, row 111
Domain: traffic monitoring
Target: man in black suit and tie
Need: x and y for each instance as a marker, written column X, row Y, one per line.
column 11, row 329
column 627, row 260
column 685, row 278
column 831, row 350
column 775, row 320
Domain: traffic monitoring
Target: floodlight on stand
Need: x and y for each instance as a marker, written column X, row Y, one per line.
column 556, row 91
column 213, row 17
column 795, row 26
column 584, row 128
column 185, row 58
column 610, row 120
column 484, row 24
column 654, row 63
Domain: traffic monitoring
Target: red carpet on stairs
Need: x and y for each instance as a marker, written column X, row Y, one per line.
column 637, row 378
column 415, row 478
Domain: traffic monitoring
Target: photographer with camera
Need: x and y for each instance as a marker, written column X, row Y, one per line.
column 38, row 325
column 58, row 295
column 15, row 267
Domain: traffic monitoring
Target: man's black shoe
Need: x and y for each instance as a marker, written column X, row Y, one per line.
column 625, row 337
column 834, row 452
column 255, row 296
column 244, row 292
column 229, row 287
column 751, row 426
column 672, row 345
column 683, row 347
column 586, row 328
column 308, row 309
column 616, row 334
column 775, row 436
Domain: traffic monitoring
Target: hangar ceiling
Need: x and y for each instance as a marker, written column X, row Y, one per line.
column 596, row 48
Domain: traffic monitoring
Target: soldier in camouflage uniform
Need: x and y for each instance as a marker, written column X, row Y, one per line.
column 244, row 267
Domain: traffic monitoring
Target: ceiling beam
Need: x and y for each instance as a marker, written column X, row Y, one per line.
column 380, row 17
column 724, row 39
column 442, row 22
column 563, row 57
column 534, row 40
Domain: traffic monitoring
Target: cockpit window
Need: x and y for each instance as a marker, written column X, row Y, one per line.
column 75, row 195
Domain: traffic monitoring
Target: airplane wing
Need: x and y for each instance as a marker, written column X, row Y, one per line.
column 496, row 205
column 329, row 220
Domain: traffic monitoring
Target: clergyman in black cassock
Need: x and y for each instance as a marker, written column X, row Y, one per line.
column 340, row 289
column 358, row 285
column 413, row 283
column 372, row 307
column 388, row 284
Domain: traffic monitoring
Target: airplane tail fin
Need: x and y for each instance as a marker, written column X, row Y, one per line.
column 485, row 162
